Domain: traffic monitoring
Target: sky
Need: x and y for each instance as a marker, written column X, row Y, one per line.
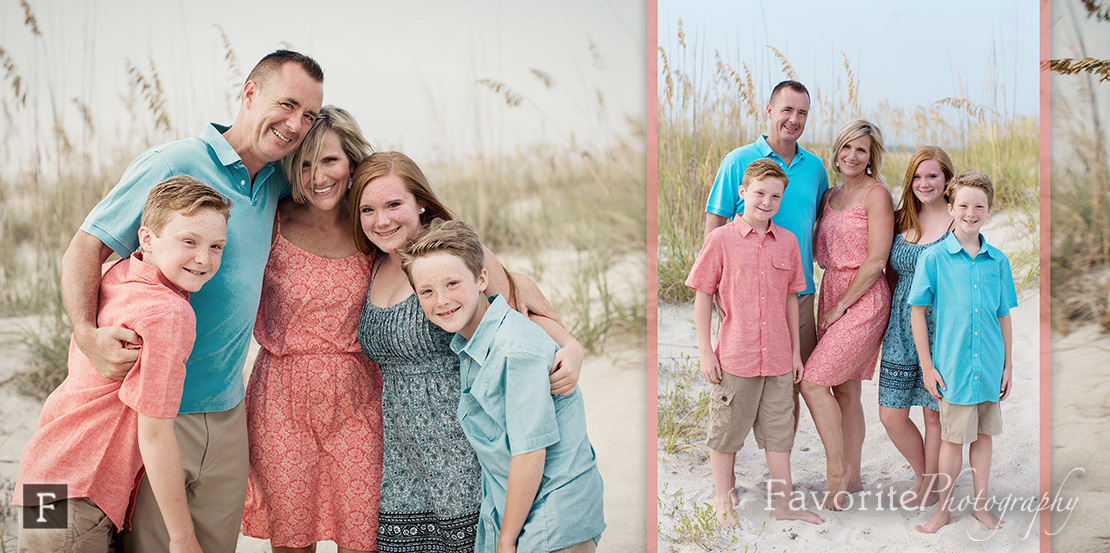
column 408, row 71
column 910, row 54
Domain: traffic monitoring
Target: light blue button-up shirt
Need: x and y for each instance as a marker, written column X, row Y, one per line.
column 798, row 210
column 507, row 409
column 227, row 305
column 968, row 296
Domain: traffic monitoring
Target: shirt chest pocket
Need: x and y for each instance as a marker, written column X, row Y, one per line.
column 479, row 426
column 782, row 263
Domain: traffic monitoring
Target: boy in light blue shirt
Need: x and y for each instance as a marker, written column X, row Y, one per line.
column 970, row 367
column 541, row 488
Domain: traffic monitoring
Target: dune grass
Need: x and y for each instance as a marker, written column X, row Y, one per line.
column 567, row 197
column 703, row 117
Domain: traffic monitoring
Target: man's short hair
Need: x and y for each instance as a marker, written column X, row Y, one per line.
column 272, row 62
column 792, row 85
column 181, row 194
column 763, row 168
column 454, row 237
column 971, row 179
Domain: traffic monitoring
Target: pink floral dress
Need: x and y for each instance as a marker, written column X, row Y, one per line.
column 849, row 348
column 314, row 412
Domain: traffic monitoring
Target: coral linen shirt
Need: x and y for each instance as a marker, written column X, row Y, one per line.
column 87, row 436
column 754, row 278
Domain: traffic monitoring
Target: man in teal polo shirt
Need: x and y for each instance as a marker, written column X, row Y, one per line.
column 281, row 98
column 786, row 114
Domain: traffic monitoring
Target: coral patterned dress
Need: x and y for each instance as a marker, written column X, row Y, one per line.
column 849, row 348
column 314, row 413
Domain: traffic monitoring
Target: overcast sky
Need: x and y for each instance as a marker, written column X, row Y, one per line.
column 407, row 70
column 911, row 54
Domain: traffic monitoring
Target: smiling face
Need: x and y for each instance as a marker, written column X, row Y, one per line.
column 854, row 156
column 189, row 248
column 928, row 182
column 761, row 201
column 326, row 188
column 970, row 208
column 450, row 295
column 388, row 213
column 787, row 116
column 278, row 112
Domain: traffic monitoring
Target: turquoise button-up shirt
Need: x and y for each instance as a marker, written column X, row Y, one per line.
column 507, row 409
column 968, row 296
column 798, row 210
column 227, row 305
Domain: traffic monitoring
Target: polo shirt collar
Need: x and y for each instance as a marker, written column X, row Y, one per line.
column 137, row 271
column 213, row 135
column 745, row 229
column 954, row 246
column 766, row 151
column 478, row 347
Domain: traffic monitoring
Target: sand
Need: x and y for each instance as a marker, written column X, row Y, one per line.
column 874, row 520
column 1080, row 408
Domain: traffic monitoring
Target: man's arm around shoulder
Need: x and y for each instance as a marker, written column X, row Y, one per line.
column 81, row 271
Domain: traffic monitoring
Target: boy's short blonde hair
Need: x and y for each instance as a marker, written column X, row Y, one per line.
column 761, row 169
column 453, row 237
column 971, row 179
column 181, row 194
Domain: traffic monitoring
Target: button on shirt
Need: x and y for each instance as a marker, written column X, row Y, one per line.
column 754, row 277
column 968, row 296
column 227, row 305
column 798, row 211
column 506, row 409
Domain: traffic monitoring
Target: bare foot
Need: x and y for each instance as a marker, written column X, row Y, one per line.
column 726, row 517
column 988, row 519
column 855, row 484
column 788, row 513
column 919, row 499
column 835, row 489
column 734, row 497
column 939, row 520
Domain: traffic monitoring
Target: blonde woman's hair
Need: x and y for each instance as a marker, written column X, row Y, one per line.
column 854, row 129
column 334, row 119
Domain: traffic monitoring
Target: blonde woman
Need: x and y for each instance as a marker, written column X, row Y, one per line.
column 852, row 244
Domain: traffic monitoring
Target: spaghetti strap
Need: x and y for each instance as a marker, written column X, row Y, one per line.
column 377, row 266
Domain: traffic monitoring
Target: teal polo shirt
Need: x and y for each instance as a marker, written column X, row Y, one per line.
column 227, row 305
column 506, row 409
column 968, row 296
column 798, row 210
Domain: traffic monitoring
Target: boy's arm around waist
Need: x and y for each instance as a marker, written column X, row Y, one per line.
column 162, row 457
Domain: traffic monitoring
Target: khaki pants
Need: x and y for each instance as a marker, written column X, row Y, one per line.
column 215, row 459
column 89, row 530
column 587, row 546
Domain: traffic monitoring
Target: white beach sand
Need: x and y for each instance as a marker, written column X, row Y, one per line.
column 1080, row 434
column 872, row 521
column 869, row 523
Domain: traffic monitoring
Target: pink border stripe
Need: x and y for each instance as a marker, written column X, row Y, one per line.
column 1046, row 274
column 652, row 274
